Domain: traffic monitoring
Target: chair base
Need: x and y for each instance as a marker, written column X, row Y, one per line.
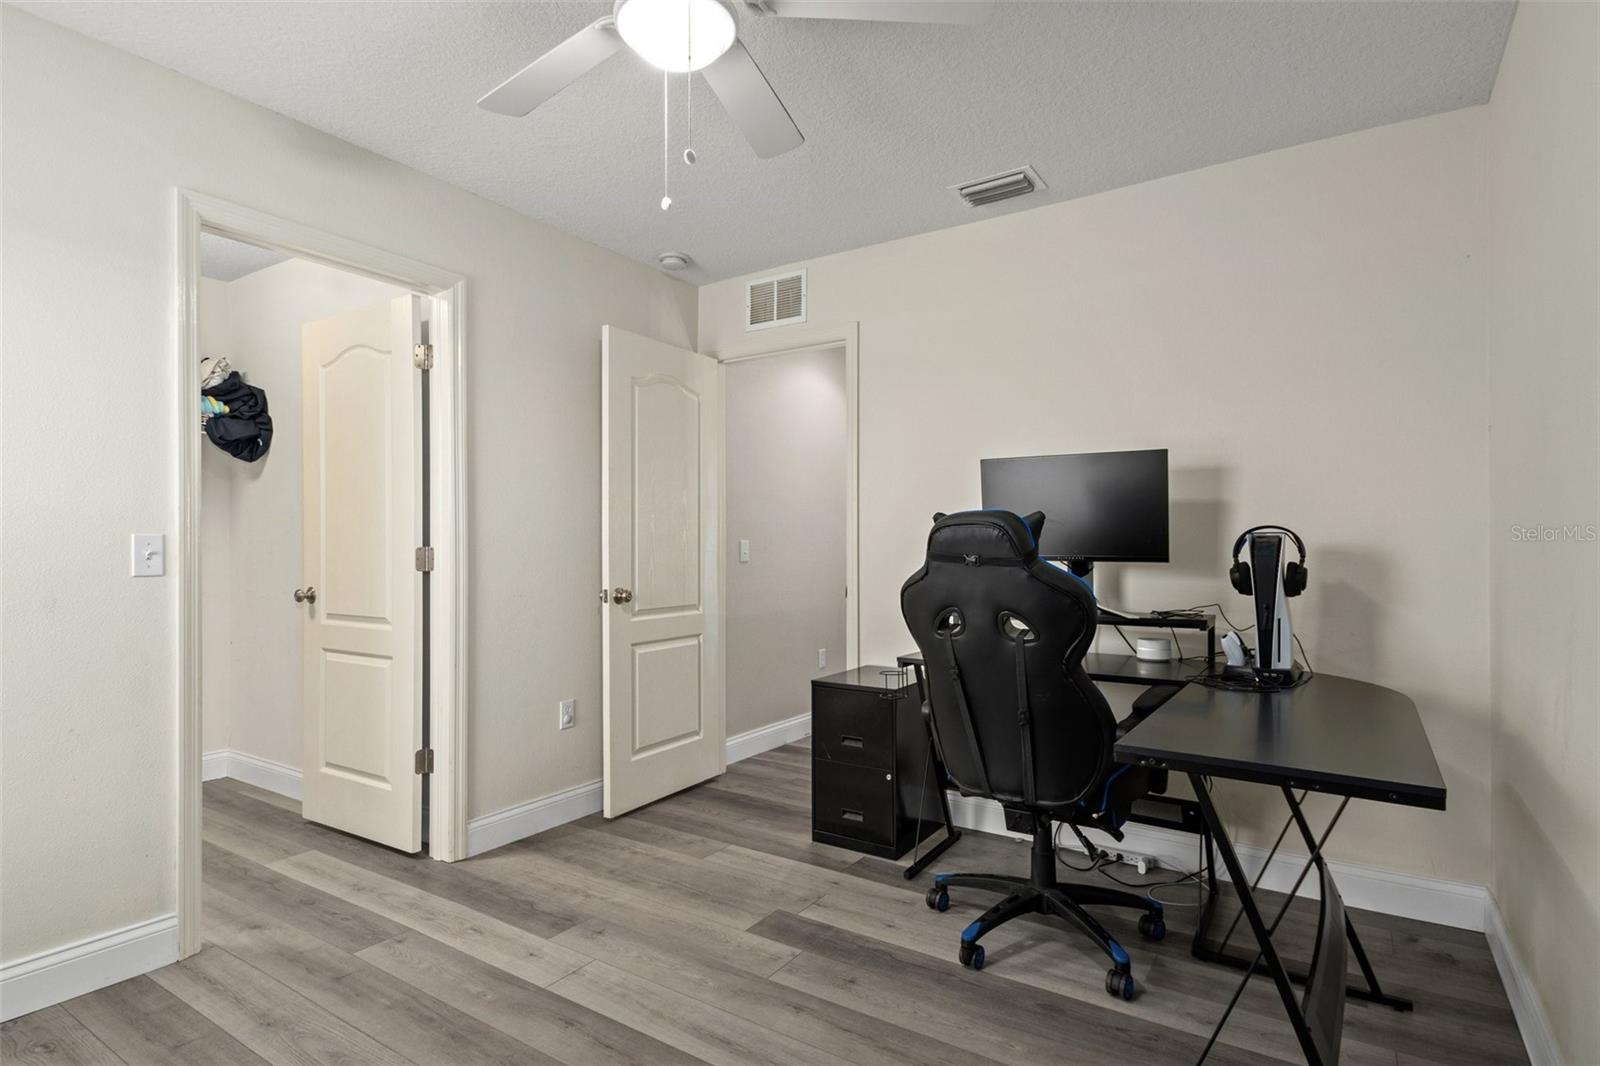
column 1043, row 894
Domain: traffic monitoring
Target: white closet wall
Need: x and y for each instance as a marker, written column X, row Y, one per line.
column 216, row 538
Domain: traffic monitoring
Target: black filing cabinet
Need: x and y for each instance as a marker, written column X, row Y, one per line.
column 871, row 773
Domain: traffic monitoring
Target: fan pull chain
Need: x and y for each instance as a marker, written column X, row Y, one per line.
column 666, row 139
column 688, row 86
column 688, row 106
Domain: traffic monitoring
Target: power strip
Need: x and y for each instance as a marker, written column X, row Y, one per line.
column 1143, row 863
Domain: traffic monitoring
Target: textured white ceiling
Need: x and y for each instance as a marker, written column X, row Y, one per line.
column 1094, row 95
column 228, row 260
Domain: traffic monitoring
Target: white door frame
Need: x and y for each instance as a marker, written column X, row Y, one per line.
column 447, row 708
column 790, row 340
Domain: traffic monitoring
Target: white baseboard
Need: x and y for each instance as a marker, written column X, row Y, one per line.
column 214, row 765
column 253, row 770
column 1525, row 1006
column 768, row 737
column 525, row 819
column 1428, row 899
column 535, row 816
column 49, row 977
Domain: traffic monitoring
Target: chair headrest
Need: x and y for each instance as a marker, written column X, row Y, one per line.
column 986, row 537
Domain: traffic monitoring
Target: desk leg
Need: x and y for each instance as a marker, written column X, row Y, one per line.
column 1269, row 954
column 1207, row 949
column 1373, row 992
column 922, row 684
column 951, row 833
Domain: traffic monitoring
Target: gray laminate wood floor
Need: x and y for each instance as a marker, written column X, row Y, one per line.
column 707, row 927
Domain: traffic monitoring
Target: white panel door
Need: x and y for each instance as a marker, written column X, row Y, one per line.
column 362, row 523
column 660, row 464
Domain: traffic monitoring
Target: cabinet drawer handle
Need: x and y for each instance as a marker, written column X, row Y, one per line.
column 850, row 742
column 851, row 816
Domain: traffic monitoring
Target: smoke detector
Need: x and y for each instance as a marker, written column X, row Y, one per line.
column 673, row 260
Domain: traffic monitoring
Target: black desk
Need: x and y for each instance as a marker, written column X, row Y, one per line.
column 1108, row 668
column 1335, row 735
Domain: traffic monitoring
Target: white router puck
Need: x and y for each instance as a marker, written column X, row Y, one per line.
column 1153, row 649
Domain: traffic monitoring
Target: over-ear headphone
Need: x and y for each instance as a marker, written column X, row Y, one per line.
column 1294, row 574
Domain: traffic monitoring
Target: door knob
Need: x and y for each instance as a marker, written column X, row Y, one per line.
column 621, row 595
column 305, row 595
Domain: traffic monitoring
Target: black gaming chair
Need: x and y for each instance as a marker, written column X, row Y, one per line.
column 1015, row 718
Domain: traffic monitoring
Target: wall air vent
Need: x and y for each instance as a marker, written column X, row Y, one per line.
column 775, row 301
column 997, row 187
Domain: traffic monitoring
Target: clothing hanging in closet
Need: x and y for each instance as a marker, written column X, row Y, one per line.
column 245, row 431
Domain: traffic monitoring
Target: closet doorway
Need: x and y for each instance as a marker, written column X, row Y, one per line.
column 789, row 460
column 321, row 582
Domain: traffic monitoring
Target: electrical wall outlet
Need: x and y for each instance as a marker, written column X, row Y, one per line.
column 822, row 658
column 569, row 714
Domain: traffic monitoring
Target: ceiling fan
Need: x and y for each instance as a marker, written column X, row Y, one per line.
column 680, row 36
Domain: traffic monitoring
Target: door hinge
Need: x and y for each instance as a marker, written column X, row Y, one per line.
column 424, row 760
column 422, row 357
column 425, row 559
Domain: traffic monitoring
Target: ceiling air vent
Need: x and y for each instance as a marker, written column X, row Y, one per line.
column 776, row 301
column 997, row 187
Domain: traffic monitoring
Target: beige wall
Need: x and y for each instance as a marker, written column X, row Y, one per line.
column 1544, row 376
column 1303, row 329
column 786, row 484
column 251, row 630
column 95, row 142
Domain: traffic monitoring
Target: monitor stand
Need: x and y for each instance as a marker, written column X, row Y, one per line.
column 1084, row 569
column 1109, row 616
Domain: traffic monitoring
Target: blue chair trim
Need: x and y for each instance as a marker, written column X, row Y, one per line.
column 1105, row 793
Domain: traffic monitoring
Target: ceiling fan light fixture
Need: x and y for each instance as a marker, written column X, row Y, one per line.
column 676, row 35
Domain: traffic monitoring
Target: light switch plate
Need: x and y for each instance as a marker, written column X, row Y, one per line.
column 149, row 555
column 744, row 551
column 568, row 714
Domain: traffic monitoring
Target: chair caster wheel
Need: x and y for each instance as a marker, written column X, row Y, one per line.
column 1120, row 984
column 938, row 899
column 1152, row 926
column 972, row 956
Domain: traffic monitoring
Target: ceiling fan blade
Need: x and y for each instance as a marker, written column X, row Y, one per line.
column 950, row 12
column 752, row 104
column 555, row 70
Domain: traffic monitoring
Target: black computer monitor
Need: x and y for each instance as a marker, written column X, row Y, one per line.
column 1098, row 506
